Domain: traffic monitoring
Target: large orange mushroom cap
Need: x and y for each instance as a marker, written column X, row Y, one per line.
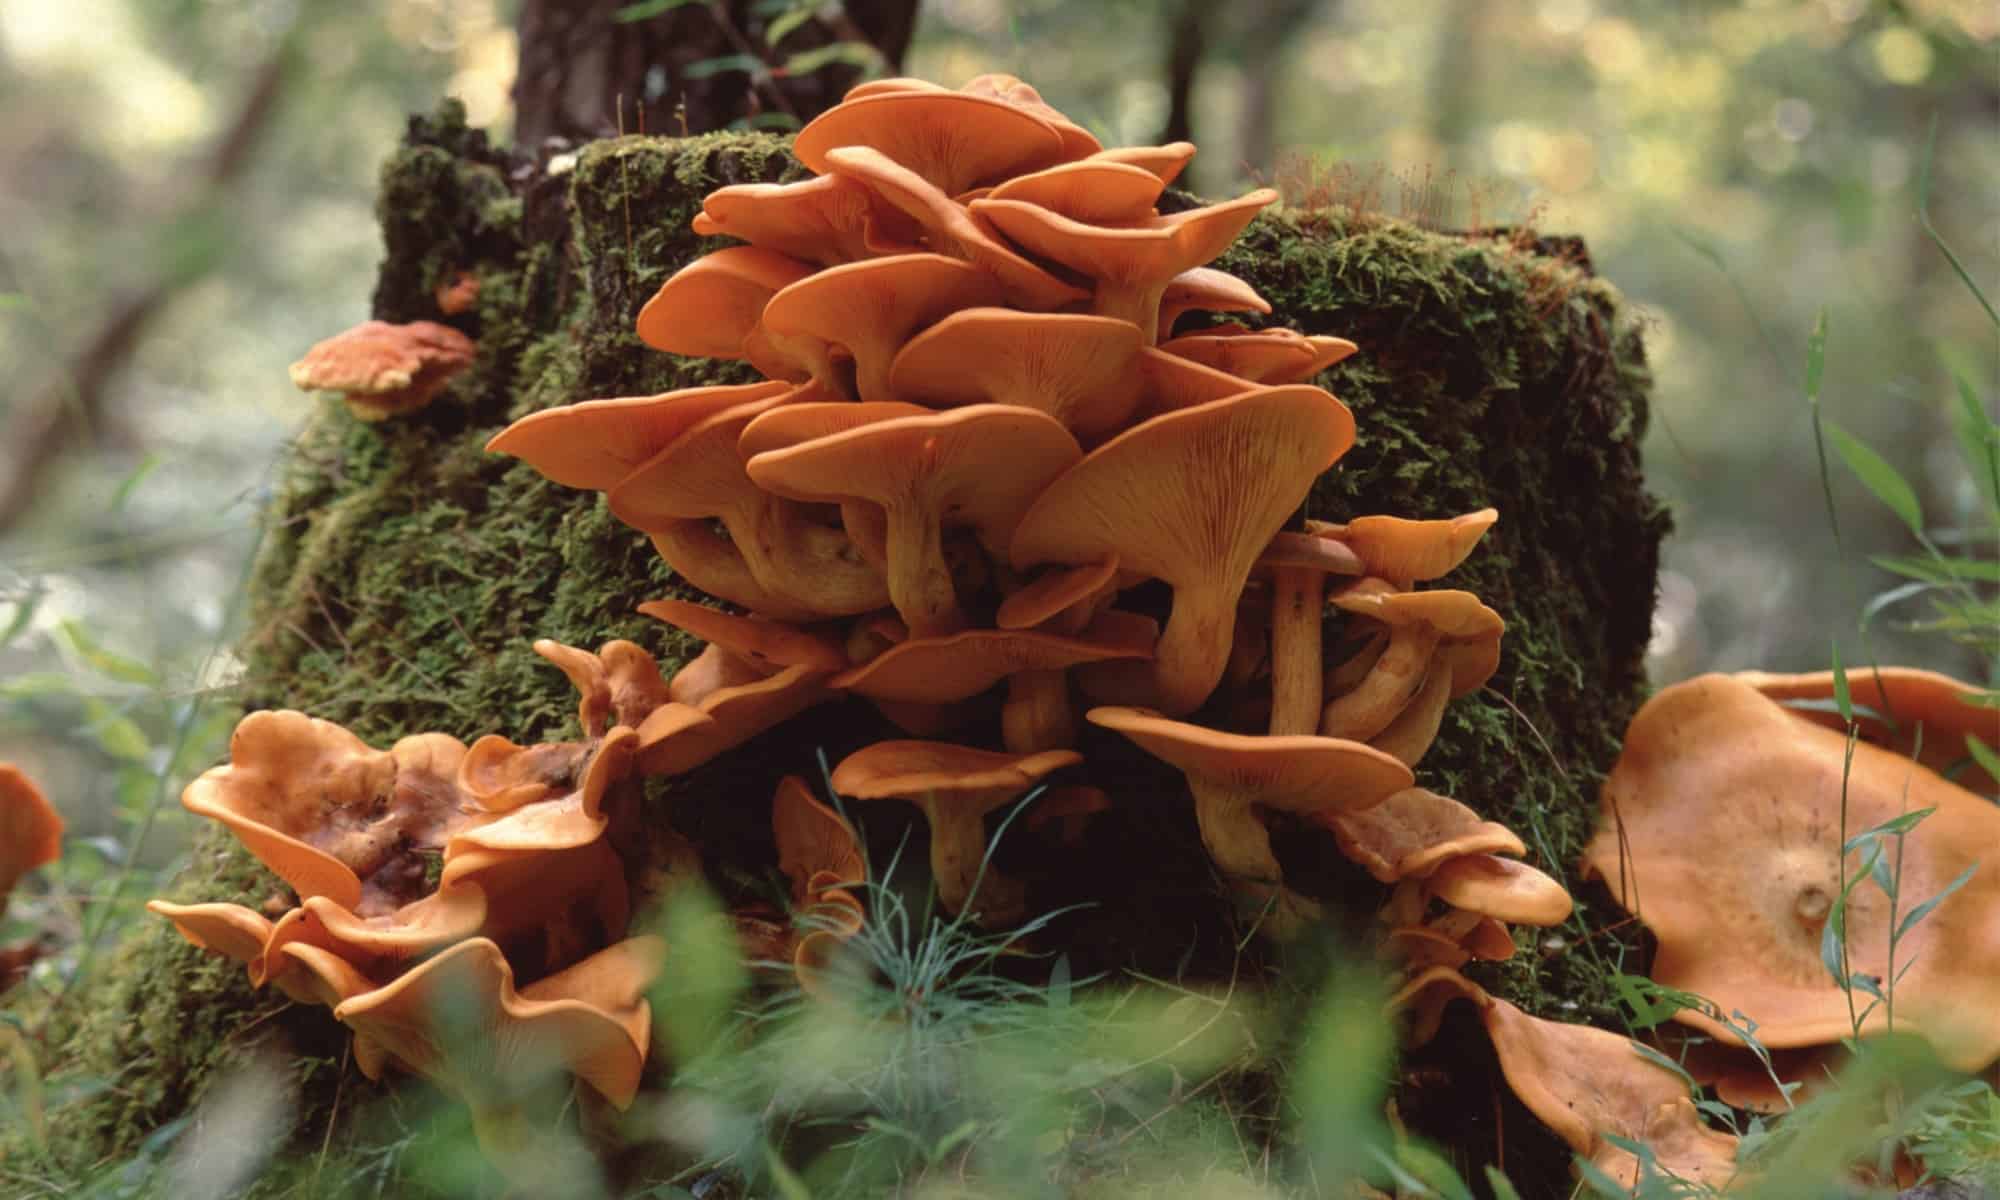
column 954, row 140
column 978, row 467
column 1095, row 190
column 599, row 442
column 30, row 829
column 711, row 307
column 1077, row 368
column 1404, row 551
column 1077, row 142
column 1412, row 832
column 1132, row 264
column 1231, row 775
column 956, row 786
column 829, row 220
column 384, row 369
column 1891, row 703
column 1191, row 497
column 1721, row 831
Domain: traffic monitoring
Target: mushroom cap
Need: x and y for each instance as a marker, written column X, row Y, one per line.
column 950, row 774
column 1294, row 773
column 1208, row 290
column 1164, row 162
column 1412, row 832
column 1077, row 142
column 374, row 945
column 230, row 930
column 1095, row 190
column 1947, row 709
column 458, row 1019
column 1501, row 888
column 1304, row 551
column 954, row 140
column 618, row 685
column 771, row 645
column 1191, row 497
column 30, row 829
column 1468, row 630
column 674, row 745
column 790, row 424
column 949, row 229
column 386, row 368
column 1075, row 367
column 709, row 307
column 570, row 814
column 1054, row 592
column 869, row 309
column 597, row 443
column 939, row 670
column 1262, row 355
column 1404, row 551
column 1132, row 264
column 1729, row 811
column 829, row 220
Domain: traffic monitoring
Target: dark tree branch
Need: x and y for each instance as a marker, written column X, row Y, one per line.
column 1185, row 42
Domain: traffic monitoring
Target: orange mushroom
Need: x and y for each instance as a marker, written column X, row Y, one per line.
column 1721, row 830
column 1208, row 290
column 954, row 140
column 1890, row 704
column 383, row 370
column 618, row 685
column 1163, row 162
column 599, row 442
column 1405, row 552
column 828, row 221
column 1232, row 775
column 1419, row 624
column 1096, row 190
column 712, row 307
column 1192, row 498
column 1077, row 368
column 955, row 786
column 1262, row 355
column 30, row 829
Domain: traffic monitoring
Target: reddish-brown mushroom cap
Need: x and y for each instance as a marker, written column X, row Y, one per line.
column 570, row 814
column 708, row 308
column 1192, row 498
column 956, row 786
column 1095, row 190
column 599, row 442
column 385, row 369
column 829, row 220
column 1410, row 833
column 1077, row 368
column 1131, row 265
column 1208, row 290
column 869, row 309
column 1232, row 774
column 982, row 465
column 954, row 140
column 1501, row 888
column 949, row 229
column 1262, row 355
column 1721, row 830
column 30, row 829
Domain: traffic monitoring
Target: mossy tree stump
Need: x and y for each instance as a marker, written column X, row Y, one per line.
column 406, row 572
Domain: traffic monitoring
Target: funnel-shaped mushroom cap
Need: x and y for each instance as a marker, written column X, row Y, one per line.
column 618, row 685
column 385, row 369
column 1208, row 290
column 1467, row 631
column 1405, row 552
column 1585, row 1083
column 1077, row 141
column 1191, row 497
column 458, row 1019
column 1945, row 707
column 829, row 220
column 1262, row 355
column 1410, row 833
column 949, row 229
column 977, row 467
column 1231, row 775
column 813, row 840
column 1163, row 162
column 1729, row 812
column 955, row 141
column 570, row 813
column 1132, row 264
column 1056, row 592
column 709, row 307
column 1500, row 888
column 30, row 829
column 701, row 475
column 599, row 442
column 735, row 715
column 1095, row 190
column 939, row 670
column 1077, row 368
column 768, row 644
column 374, row 945
column 230, row 930
column 500, row 776
column 956, row 786
column 869, row 309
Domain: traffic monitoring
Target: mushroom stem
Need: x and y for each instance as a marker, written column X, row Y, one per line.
column 1297, row 596
column 1038, row 714
column 1194, row 647
column 958, row 847
column 919, row 578
column 1241, row 847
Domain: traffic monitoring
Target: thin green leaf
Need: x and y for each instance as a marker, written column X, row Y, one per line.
column 783, row 1178
column 1894, row 596
column 1983, row 754
column 1843, row 699
column 1945, row 568
column 707, row 67
column 1925, row 909
column 1503, row 1187
column 1895, row 826
column 1816, row 358
column 1662, row 1061
column 1937, row 239
column 103, row 661
column 132, row 481
column 1878, row 477
column 1432, row 1170
column 647, row 9
column 1978, row 438
column 854, row 54
column 784, row 23
column 24, row 614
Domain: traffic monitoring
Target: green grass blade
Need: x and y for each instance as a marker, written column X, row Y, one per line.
column 1875, row 474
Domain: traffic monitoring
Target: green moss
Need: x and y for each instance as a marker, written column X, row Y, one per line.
column 405, row 572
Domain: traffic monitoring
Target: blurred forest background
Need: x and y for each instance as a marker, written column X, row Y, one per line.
column 186, row 204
